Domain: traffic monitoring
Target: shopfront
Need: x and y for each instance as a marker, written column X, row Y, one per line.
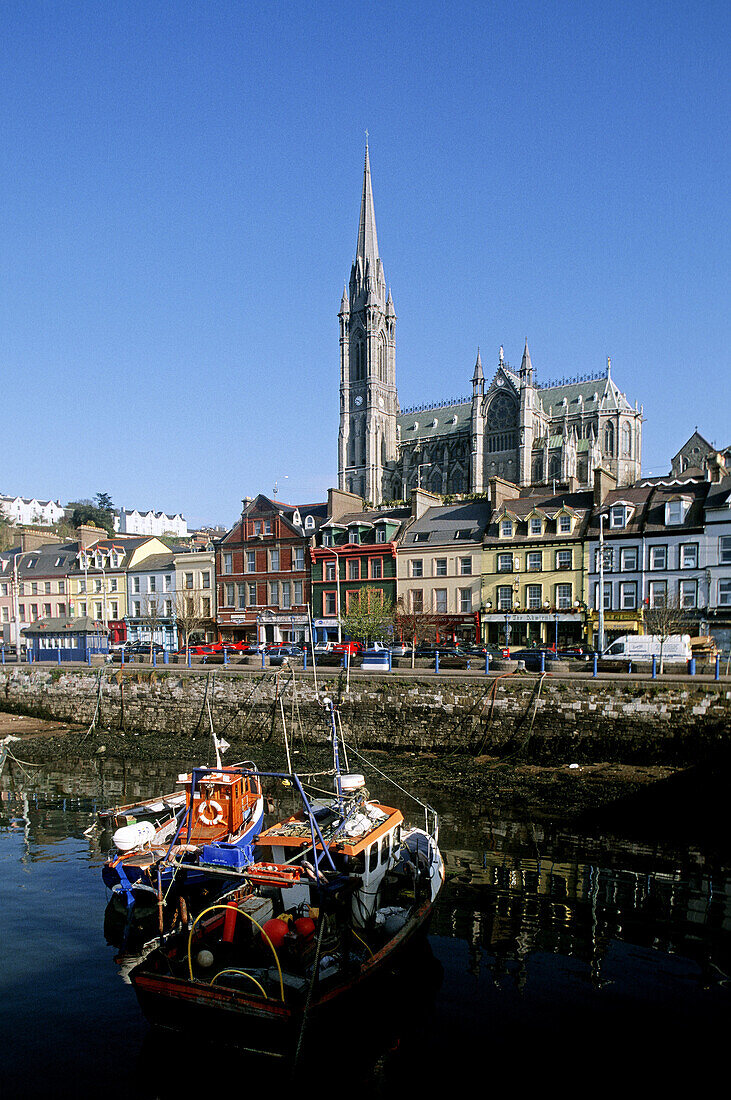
column 521, row 629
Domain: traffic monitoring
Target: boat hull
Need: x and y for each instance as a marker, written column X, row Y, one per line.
column 270, row 1026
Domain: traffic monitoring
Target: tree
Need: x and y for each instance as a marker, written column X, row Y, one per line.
column 665, row 618
column 154, row 614
column 369, row 617
column 87, row 512
column 191, row 610
column 416, row 627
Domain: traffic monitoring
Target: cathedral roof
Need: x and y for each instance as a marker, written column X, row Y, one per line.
column 595, row 394
column 367, row 238
column 433, row 421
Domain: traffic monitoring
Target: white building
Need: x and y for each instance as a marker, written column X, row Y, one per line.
column 43, row 513
column 132, row 522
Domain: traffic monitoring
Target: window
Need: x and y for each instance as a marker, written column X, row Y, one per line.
column 658, row 593
column 97, row 584
column 440, row 601
column 465, row 567
column 421, row 536
column 298, row 559
column 628, row 559
column 535, row 525
column 463, row 533
column 354, row 569
column 136, row 610
column 533, row 597
column 34, row 588
column 286, row 594
column 251, row 597
column 417, row 601
column 47, row 610
column 329, row 570
column 228, row 563
column 628, row 595
column 440, row 567
column 724, row 594
column 330, row 603
column 4, row 589
column 504, row 597
column 354, row 535
column 47, row 587
column 152, row 584
column 206, row 580
column 505, row 563
column 563, row 559
column 658, row 557
column 113, row 585
column 417, row 567
column 506, row 529
column 380, row 534
column 82, row 587
column 534, row 561
column 82, row 610
column 274, row 593
column 724, row 550
column 689, row 555
column 298, row 593
column 167, row 583
column 564, row 525
column 187, row 580
column 607, row 596
column 465, row 600
column 267, row 527
column 376, row 568
column 688, row 593
column 135, row 585
column 675, row 511
column 257, row 527
column 273, row 561
column 229, row 595
column 563, row 596
column 6, row 614
column 327, row 538
column 242, row 595
column 617, row 516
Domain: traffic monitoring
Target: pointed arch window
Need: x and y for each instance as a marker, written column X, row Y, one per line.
column 627, row 441
column 609, row 439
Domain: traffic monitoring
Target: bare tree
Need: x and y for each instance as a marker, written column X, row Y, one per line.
column 664, row 619
column 154, row 615
column 191, row 610
column 417, row 626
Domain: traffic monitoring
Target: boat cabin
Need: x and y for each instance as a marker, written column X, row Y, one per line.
column 217, row 801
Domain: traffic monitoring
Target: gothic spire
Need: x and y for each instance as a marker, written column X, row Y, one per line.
column 526, row 365
column 367, row 238
column 478, row 374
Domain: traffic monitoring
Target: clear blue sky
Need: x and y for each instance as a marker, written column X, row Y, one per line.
column 179, row 194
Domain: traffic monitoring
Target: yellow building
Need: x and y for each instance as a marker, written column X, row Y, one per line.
column 534, row 568
column 97, row 586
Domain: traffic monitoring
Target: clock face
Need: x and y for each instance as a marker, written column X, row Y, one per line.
column 359, row 400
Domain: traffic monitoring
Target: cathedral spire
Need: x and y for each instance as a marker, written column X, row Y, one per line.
column 367, row 238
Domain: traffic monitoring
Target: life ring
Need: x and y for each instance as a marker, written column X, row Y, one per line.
column 210, row 812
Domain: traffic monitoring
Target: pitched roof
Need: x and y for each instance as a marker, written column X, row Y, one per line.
column 465, row 521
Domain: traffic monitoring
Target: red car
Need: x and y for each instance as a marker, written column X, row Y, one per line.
column 352, row 648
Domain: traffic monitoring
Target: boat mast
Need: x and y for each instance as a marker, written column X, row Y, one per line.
column 336, row 757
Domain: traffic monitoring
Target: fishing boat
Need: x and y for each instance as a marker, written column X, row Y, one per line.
column 336, row 893
column 215, row 819
column 138, row 824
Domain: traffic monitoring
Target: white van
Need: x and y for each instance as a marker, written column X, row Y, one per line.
column 643, row 647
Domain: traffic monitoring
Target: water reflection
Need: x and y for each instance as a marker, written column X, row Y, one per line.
column 539, row 932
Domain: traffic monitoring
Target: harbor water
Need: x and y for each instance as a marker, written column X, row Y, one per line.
column 554, row 955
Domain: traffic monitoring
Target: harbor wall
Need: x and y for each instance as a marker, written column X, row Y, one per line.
column 576, row 719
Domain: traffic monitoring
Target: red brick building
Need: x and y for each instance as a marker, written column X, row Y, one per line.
column 263, row 572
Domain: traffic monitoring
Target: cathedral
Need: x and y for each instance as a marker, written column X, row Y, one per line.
column 511, row 427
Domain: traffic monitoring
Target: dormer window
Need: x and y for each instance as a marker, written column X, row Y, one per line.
column 564, row 524
column 535, row 525
column 506, row 528
column 380, row 534
column 675, row 511
column 354, row 535
column 309, row 523
column 618, row 516
column 327, row 538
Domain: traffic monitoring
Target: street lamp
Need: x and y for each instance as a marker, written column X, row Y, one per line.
column 602, row 519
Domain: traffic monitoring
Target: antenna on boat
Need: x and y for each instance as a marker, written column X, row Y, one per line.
column 336, row 758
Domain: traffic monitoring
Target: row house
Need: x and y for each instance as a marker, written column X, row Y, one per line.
column 354, row 551
column 29, row 510
column 715, row 550
column 654, row 554
column 171, row 598
column 263, row 572
column 533, row 566
column 195, row 585
column 440, row 564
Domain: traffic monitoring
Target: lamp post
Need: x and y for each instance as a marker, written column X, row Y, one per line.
column 333, row 551
column 602, row 518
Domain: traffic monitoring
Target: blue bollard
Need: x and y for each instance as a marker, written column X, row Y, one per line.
column 154, row 659
column 543, row 661
column 263, row 658
column 629, row 668
column 718, row 667
column 691, row 667
column 3, row 654
column 390, row 661
column 188, row 658
column 436, row 661
column 121, row 656
column 304, row 660
column 596, row 661
column 225, row 657
column 487, row 663
column 166, row 657
column 58, row 657
column 654, row 667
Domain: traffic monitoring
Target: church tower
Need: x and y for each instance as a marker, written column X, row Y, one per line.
column 367, row 444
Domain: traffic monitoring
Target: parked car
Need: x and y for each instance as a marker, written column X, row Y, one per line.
column 532, row 658
column 576, row 653
column 143, row 647
column 278, row 654
column 400, row 650
column 353, row 648
column 324, row 647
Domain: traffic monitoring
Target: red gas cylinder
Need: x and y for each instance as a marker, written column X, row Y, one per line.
column 276, row 930
column 305, row 927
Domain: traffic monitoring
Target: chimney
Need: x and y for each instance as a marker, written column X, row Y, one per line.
column 502, row 490
column 88, row 535
column 422, row 501
column 32, row 538
column 339, row 503
column 604, row 482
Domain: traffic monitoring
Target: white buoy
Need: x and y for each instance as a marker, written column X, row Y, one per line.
column 205, row 958
column 133, row 836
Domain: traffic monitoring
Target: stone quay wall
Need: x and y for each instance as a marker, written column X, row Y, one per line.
column 576, row 719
